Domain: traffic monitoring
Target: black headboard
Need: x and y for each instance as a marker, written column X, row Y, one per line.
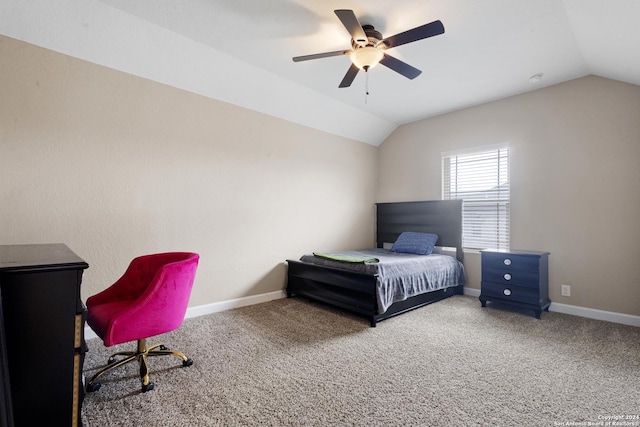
column 441, row 217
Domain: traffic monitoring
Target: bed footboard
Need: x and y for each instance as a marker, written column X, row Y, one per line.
column 346, row 289
column 352, row 291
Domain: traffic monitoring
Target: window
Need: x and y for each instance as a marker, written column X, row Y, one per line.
column 481, row 180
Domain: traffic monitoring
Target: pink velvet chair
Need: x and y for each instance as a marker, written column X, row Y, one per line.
column 149, row 299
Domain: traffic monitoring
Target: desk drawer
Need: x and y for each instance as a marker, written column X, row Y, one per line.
column 511, row 292
column 511, row 277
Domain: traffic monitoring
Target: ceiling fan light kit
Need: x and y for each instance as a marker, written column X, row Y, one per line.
column 369, row 47
column 366, row 57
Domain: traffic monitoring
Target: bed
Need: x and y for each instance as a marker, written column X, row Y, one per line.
column 359, row 286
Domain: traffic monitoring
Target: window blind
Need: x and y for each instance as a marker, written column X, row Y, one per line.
column 481, row 180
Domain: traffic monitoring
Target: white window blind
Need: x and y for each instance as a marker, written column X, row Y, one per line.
column 481, row 180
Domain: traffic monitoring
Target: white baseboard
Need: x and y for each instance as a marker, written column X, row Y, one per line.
column 215, row 307
column 88, row 333
column 591, row 313
column 472, row 292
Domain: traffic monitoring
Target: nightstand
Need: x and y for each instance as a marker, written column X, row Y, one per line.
column 516, row 278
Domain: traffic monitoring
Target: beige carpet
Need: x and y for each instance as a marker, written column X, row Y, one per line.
column 291, row 362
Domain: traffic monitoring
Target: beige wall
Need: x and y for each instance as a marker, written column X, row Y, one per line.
column 116, row 166
column 575, row 181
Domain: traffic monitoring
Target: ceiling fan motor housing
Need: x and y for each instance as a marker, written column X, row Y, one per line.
column 373, row 38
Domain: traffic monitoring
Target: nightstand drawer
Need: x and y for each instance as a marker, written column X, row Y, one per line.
column 510, row 292
column 514, row 277
column 509, row 261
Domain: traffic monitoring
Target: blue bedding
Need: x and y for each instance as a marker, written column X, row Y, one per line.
column 400, row 275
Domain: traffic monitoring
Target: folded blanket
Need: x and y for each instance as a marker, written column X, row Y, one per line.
column 346, row 258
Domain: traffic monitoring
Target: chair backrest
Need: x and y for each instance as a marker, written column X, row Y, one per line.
column 154, row 293
column 170, row 287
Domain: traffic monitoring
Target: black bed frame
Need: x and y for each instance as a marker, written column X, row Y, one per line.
column 356, row 292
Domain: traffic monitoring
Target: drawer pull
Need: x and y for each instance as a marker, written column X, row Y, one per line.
column 507, row 261
column 507, row 292
column 507, row 276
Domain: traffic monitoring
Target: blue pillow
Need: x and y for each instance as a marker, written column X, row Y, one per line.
column 411, row 242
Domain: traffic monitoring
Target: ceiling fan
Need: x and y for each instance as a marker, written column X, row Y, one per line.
column 368, row 47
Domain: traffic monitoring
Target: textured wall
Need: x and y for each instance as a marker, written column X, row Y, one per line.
column 116, row 166
column 575, row 182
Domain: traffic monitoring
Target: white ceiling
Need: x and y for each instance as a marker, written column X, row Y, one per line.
column 239, row 51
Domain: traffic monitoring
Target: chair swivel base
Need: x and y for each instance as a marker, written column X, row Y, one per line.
column 141, row 354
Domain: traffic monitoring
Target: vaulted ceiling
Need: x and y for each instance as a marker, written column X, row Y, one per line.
column 239, row 51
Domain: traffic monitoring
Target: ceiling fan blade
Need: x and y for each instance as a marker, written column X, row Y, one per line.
column 427, row 30
column 351, row 23
column 348, row 78
column 320, row 55
column 400, row 67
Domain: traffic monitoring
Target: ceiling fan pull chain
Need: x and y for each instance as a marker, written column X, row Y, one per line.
column 366, row 85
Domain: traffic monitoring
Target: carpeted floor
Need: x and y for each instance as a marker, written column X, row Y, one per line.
column 291, row 362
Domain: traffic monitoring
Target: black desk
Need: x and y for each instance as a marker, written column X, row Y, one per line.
column 42, row 335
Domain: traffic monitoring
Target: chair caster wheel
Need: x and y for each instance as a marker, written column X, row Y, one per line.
column 187, row 362
column 91, row 387
column 148, row 387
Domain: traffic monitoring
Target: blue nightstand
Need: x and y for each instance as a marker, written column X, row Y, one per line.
column 516, row 278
